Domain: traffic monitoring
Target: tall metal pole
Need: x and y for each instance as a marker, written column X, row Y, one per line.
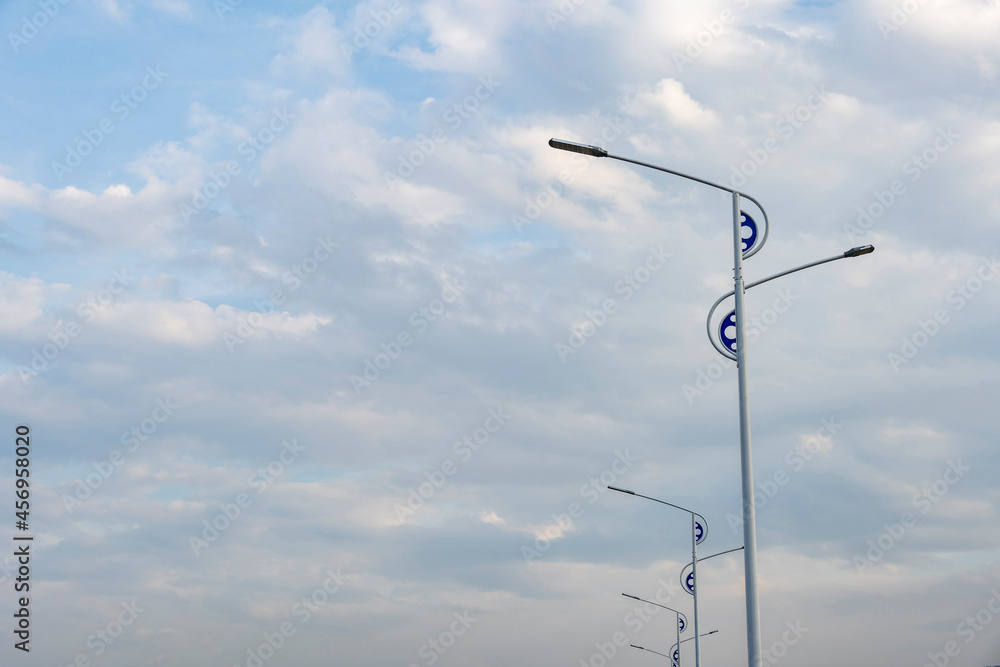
column 749, row 514
column 677, row 625
column 694, row 575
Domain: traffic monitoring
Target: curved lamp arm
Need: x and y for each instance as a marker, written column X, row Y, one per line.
column 853, row 252
column 643, row 648
column 597, row 151
column 662, row 502
column 704, row 634
column 663, row 606
column 721, row 553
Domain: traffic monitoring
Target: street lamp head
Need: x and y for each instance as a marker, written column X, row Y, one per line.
column 631, row 596
column 572, row 147
column 860, row 250
column 615, row 488
column 638, row 647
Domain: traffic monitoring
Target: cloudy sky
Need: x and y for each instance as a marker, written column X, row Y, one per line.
column 327, row 357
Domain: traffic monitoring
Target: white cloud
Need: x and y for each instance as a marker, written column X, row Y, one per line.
column 14, row 193
column 23, row 302
column 314, row 44
column 465, row 36
column 192, row 323
column 669, row 97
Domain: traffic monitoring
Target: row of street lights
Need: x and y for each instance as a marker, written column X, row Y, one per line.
column 699, row 531
column 748, row 239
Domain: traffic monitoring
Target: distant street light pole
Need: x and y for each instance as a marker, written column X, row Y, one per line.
column 735, row 349
column 678, row 626
column 695, row 540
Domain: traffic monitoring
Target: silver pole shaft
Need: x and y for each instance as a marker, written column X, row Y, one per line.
column 694, row 573
column 677, row 626
column 749, row 514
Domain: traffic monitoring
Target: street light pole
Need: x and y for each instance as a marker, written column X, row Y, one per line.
column 740, row 356
column 694, row 574
column 694, row 560
column 678, row 625
column 746, row 462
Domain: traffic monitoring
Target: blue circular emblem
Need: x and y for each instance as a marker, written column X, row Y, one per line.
column 727, row 332
column 748, row 231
